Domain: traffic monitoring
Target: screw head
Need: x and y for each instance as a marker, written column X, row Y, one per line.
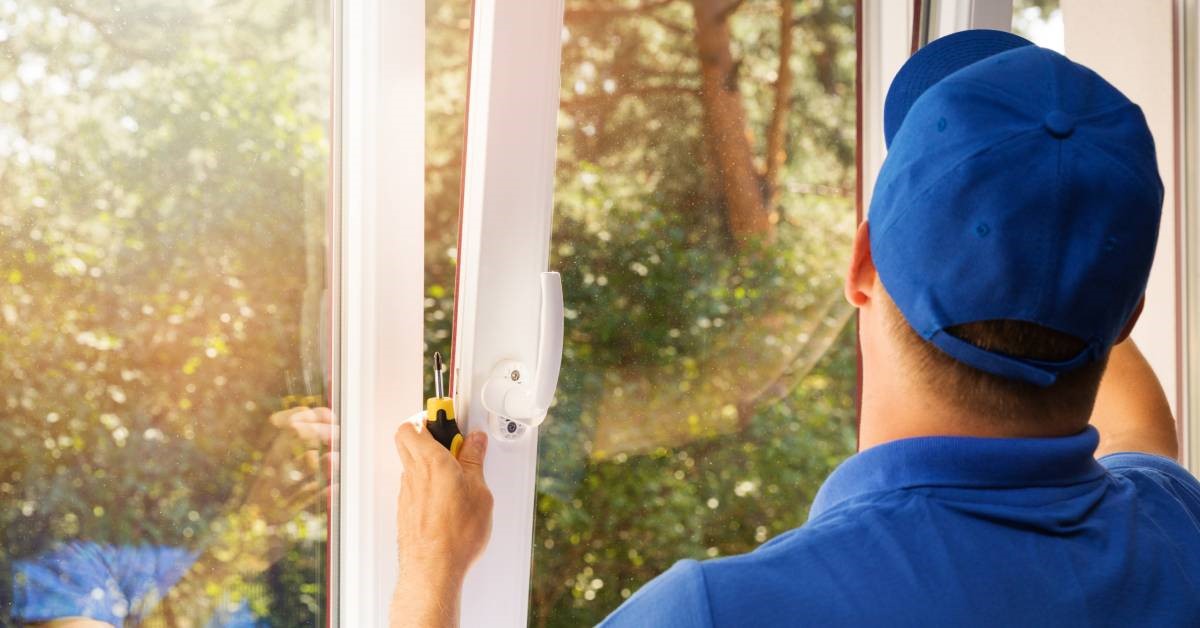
column 511, row 427
column 515, row 375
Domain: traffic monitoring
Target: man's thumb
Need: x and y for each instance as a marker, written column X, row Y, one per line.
column 473, row 451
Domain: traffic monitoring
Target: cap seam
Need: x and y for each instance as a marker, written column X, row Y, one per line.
column 919, row 196
column 1081, row 115
column 1044, row 237
column 1096, row 112
column 992, row 89
column 1138, row 178
column 1052, row 70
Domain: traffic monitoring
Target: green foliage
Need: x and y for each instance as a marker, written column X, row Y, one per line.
column 297, row 587
column 163, row 178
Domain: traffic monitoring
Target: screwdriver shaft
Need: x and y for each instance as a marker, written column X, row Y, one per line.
column 437, row 375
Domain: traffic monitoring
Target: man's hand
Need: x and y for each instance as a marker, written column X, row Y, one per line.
column 444, row 520
column 295, row 469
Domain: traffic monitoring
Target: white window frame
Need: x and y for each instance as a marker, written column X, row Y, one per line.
column 887, row 28
column 951, row 16
column 379, row 186
column 505, row 231
column 1188, row 34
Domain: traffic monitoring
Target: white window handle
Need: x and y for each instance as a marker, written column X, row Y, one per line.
column 523, row 398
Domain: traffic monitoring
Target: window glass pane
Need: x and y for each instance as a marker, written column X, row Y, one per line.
column 704, row 211
column 447, row 44
column 1039, row 21
column 163, row 273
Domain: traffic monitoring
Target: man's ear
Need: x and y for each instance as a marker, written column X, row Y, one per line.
column 1133, row 319
column 860, row 278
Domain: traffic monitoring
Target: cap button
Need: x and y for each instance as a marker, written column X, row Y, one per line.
column 1059, row 124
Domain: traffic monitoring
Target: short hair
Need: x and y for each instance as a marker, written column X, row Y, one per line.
column 1011, row 404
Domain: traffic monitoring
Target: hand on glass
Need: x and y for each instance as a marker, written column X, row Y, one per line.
column 444, row 520
column 243, row 544
column 298, row 466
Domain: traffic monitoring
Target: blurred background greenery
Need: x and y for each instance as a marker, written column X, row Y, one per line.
column 163, row 181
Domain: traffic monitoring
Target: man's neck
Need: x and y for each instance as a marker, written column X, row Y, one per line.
column 902, row 411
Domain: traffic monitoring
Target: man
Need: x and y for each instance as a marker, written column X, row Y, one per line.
column 1004, row 264
column 88, row 583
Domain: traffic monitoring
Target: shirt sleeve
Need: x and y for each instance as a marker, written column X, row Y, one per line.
column 73, row 580
column 1162, row 472
column 112, row 584
column 679, row 597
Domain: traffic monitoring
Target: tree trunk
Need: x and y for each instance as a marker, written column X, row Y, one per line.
column 777, row 130
column 725, row 126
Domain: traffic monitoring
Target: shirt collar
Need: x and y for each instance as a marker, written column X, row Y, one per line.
column 962, row 461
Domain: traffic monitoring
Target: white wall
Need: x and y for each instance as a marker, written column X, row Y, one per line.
column 1132, row 44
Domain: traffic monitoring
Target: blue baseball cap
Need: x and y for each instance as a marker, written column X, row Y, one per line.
column 1018, row 185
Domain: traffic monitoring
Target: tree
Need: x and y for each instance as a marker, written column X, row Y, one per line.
column 745, row 172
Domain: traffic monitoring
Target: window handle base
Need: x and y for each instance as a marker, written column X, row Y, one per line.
column 516, row 397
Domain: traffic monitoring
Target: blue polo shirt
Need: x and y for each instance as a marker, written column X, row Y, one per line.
column 953, row 531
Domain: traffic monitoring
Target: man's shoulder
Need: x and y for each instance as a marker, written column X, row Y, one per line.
column 1156, row 478
column 678, row 597
column 1137, row 462
column 769, row 583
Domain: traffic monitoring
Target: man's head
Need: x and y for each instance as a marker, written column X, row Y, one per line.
column 1010, row 234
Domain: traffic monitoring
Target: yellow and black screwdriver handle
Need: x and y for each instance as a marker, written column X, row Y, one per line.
column 439, row 413
column 439, row 420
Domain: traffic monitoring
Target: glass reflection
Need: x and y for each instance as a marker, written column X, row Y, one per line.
column 164, row 459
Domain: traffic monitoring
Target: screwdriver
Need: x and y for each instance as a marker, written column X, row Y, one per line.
column 439, row 413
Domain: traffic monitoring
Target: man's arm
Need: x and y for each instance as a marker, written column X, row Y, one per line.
column 1131, row 412
column 444, row 520
column 426, row 597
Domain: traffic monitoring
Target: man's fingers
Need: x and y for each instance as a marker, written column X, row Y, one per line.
column 421, row 449
column 406, row 458
column 473, row 452
column 420, row 445
column 322, row 415
column 283, row 418
column 315, row 432
column 302, row 414
column 312, row 461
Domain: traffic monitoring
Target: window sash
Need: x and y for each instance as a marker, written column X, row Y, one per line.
column 507, row 213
